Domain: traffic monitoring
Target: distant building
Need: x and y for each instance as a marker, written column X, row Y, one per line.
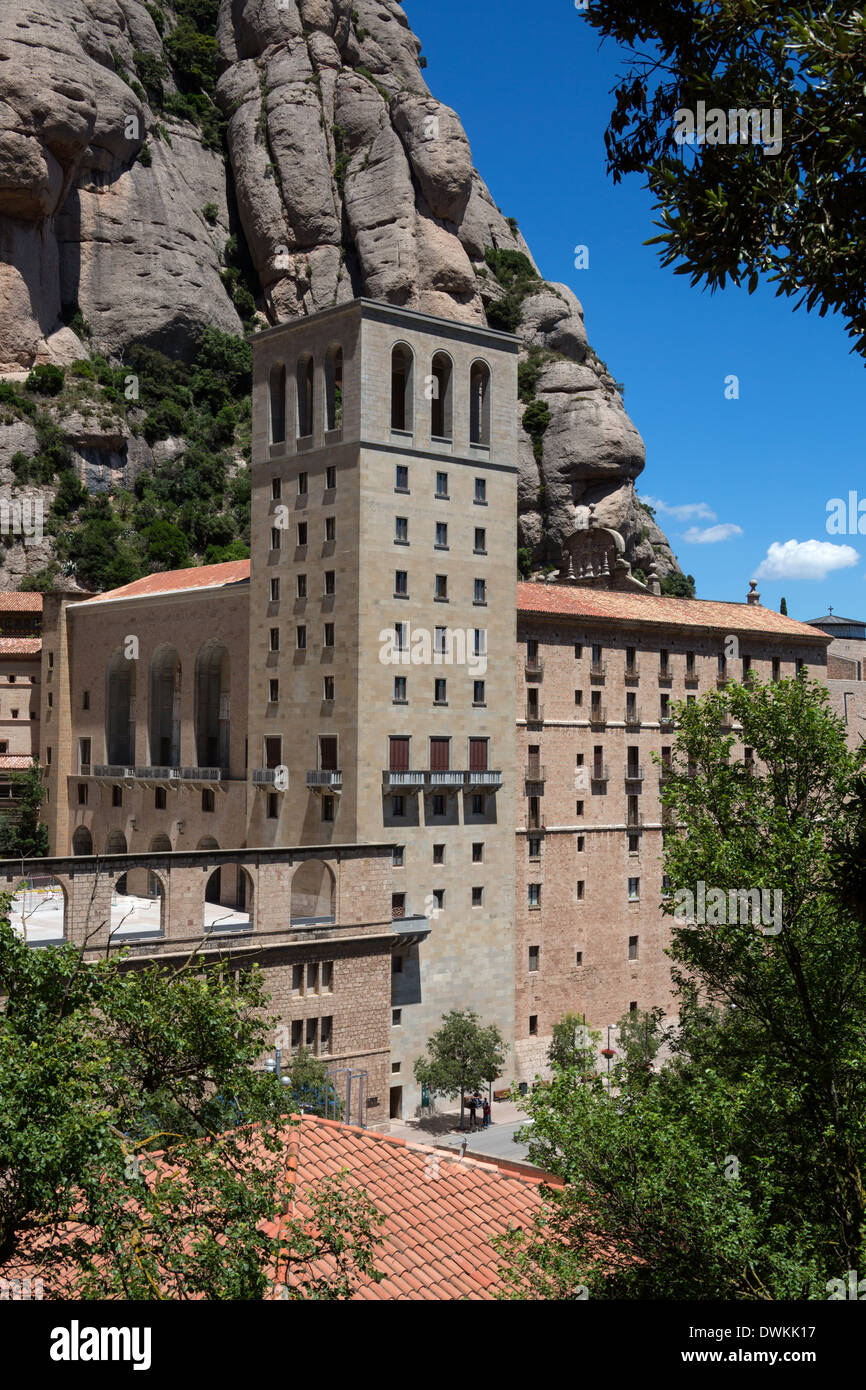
column 846, row 671
column 20, row 667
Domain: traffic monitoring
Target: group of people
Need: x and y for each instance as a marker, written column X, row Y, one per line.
column 475, row 1104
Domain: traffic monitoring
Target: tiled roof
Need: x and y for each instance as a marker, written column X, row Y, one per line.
column 440, row 1210
column 20, row 603
column 576, row 602
column 15, row 762
column 176, row 581
column 20, row 646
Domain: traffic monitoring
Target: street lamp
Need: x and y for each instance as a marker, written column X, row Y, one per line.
column 607, row 1052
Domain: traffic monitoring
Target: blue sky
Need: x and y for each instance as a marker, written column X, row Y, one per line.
column 532, row 87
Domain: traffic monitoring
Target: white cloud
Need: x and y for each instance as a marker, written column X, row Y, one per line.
column 805, row 560
column 708, row 535
column 684, row 511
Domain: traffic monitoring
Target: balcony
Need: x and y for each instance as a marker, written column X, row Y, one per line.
column 409, row 931
column 267, row 777
column 535, row 772
column 598, row 772
column 534, row 668
column 632, row 671
column 534, row 713
column 596, row 670
column 598, row 714
column 634, row 773
column 666, row 676
column 691, row 678
column 484, row 779
column 201, row 774
column 634, row 820
column 666, row 719
column 113, row 772
column 330, row 780
column 632, row 719
column 444, row 778
column 157, row 774
column 534, row 822
column 402, row 781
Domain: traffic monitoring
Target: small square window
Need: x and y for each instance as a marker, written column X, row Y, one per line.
column 477, row 897
column 273, row 691
column 398, row 856
column 534, row 952
column 330, row 477
column 478, row 852
column 395, row 1067
column 275, row 591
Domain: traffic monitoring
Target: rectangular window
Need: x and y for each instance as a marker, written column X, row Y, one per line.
column 302, row 484
column 400, row 690
column 632, row 948
column 273, row 751
column 534, row 952
column 477, row 804
column 479, row 641
column 441, row 484
column 274, row 639
column 481, row 490
column 207, row 800
column 275, row 538
column 302, row 585
column 302, row 638
column 398, row 856
column 275, row 591
column 533, row 1025
column 327, row 808
column 328, row 753
column 302, row 533
column 398, row 805
column 326, row 985
column 581, row 843
column 690, row 663
column 580, row 886
column 478, row 852
column 330, row 478
column 85, row 698
column 478, row 750
column 82, row 793
column 330, row 581
column 533, row 891
column 477, row 897
column 401, row 584
column 328, row 640
column 440, row 754
column 578, row 697
column 273, row 691
column 159, row 799
column 578, row 809
column 439, row 899
column 664, row 662
column 330, row 528
column 634, row 844
column 480, row 541
column 328, row 688
column 441, row 535
column 478, row 689
column 398, row 753
column 777, row 668
column 440, row 691
column 534, row 847
column 117, row 796
column 396, row 1018
column 297, row 1034
column 633, row 890
column 401, row 528
column 276, row 489
column 480, row 591
column 398, row 905
column 438, row 805
column 578, row 651
column 440, row 589
column 402, row 478
column 438, row 854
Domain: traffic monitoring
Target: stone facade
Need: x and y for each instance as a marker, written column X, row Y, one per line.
column 846, row 671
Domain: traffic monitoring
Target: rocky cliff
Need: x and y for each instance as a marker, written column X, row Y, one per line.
column 168, row 168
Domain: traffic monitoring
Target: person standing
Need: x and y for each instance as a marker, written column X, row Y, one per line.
column 472, row 1104
column 486, row 1113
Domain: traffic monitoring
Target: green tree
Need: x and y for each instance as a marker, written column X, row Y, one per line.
column 731, row 211
column 640, row 1034
column 461, row 1056
column 735, row 1170
column 783, row 607
column 22, row 833
column 572, row 1046
column 132, row 1098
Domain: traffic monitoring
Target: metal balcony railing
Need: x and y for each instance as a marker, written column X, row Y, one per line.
column 536, row 772
column 534, row 821
column 157, row 774
column 264, row 776
column 598, row 714
column 634, row 773
column 402, row 781
column 632, row 718
column 598, row 772
column 632, row 670
column 116, row 771
column 484, row 778
column 534, row 668
column 320, row 780
column 634, row 820
column 201, row 774
column 597, row 669
column 444, row 778
column 534, row 714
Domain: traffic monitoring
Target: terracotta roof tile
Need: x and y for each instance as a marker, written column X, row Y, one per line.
column 576, row 602
column 15, row 602
column 176, row 581
column 15, row 762
column 20, row 646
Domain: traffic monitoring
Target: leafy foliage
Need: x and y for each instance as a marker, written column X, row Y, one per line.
column 461, row 1056
column 514, row 272
column 735, row 1170
column 732, row 211
column 22, row 833
column 678, row 585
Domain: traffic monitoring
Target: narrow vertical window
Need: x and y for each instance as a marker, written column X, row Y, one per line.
column 334, row 388
column 401, row 388
column 305, row 397
column 479, row 404
column 441, row 404
column 277, row 388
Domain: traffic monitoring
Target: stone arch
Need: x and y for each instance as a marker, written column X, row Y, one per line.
column 143, row 882
column 334, row 388
column 442, row 399
column 402, row 387
column 138, row 914
column 314, row 892
column 165, row 687
column 120, row 710
column 479, row 403
column 277, row 403
column 305, row 376
column 207, row 842
column 116, row 842
column 38, row 909
column 229, row 899
column 213, row 705
column 82, row 842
